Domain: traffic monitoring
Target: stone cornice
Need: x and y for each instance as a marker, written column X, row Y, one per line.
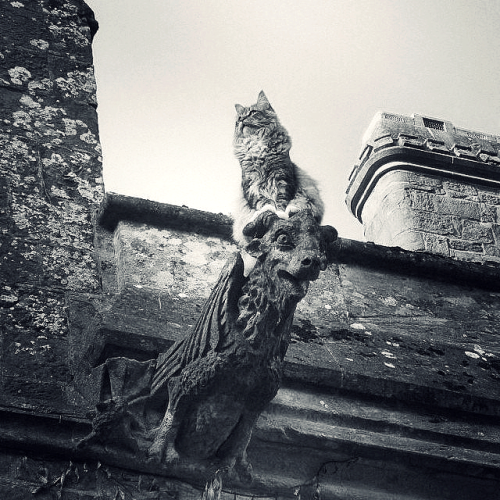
column 118, row 207
column 379, row 162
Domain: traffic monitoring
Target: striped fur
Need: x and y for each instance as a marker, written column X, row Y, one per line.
column 270, row 180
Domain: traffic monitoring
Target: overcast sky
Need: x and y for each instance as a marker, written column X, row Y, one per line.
column 169, row 73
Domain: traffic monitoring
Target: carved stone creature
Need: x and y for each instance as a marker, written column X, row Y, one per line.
column 221, row 377
column 198, row 402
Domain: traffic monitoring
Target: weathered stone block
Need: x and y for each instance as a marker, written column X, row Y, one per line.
column 444, row 225
column 459, row 190
column 477, row 231
column 488, row 213
column 422, row 201
column 491, row 197
column 424, row 182
column 468, row 246
column 436, row 244
column 409, row 239
column 20, row 262
column 472, row 256
column 34, row 348
column 444, row 205
column 180, row 264
column 378, row 227
column 385, row 198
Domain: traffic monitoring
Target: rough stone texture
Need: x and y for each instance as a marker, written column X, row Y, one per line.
column 410, row 193
column 391, row 381
column 51, row 184
column 403, row 210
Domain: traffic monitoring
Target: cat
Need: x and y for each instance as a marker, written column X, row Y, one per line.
column 270, row 180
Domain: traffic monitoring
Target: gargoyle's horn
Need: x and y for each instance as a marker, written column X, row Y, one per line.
column 329, row 234
column 260, row 225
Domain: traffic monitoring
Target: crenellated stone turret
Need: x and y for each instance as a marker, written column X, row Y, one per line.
column 425, row 185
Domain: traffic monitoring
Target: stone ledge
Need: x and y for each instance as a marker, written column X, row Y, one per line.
column 117, row 207
column 303, row 432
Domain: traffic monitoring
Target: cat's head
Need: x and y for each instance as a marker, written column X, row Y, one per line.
column 255, row 120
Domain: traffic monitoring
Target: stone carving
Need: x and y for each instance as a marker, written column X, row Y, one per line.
column 199, row 401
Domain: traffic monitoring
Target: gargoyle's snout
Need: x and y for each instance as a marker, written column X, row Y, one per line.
column 310, row 266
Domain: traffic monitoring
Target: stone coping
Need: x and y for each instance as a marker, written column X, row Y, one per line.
column 425, row 265
column 118, row 207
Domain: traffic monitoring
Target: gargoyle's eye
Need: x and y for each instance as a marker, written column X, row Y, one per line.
column 284, row 240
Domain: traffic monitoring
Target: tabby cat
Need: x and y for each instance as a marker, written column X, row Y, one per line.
column 270, row 180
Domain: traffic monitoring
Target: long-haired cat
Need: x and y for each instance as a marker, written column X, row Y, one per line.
column 270, row 180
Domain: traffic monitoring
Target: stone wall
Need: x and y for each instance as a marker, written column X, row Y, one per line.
column 51, row 185
column 436, row 214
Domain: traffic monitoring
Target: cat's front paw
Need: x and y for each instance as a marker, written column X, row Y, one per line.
column 266, row 208
column 292, row 210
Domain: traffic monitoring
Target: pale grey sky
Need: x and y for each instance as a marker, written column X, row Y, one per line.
column 169, row 73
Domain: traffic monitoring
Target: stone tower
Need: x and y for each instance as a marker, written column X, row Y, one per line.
column 425, row 185
column 50, row 188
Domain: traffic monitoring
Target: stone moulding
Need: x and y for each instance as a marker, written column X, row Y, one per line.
column 366, row 175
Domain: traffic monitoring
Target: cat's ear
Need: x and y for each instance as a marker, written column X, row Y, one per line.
column 239, row 108
column 262, row 101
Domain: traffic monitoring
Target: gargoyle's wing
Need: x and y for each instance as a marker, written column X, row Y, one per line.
column 212, row 328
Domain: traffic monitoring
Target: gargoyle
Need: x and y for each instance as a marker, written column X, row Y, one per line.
column 200, row 400
column 221, row 377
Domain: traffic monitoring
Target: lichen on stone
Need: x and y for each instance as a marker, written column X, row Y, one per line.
column 40, row 44
column 19, row 75
column 78, row 84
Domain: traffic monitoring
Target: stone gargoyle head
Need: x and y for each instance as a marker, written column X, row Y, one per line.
column 293, row 251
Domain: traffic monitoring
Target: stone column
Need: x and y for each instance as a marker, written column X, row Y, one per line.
column 424, row 185
column 50, row 187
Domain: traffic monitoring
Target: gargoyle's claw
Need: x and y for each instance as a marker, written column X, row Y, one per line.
column 158, row 453
column 244, row 470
